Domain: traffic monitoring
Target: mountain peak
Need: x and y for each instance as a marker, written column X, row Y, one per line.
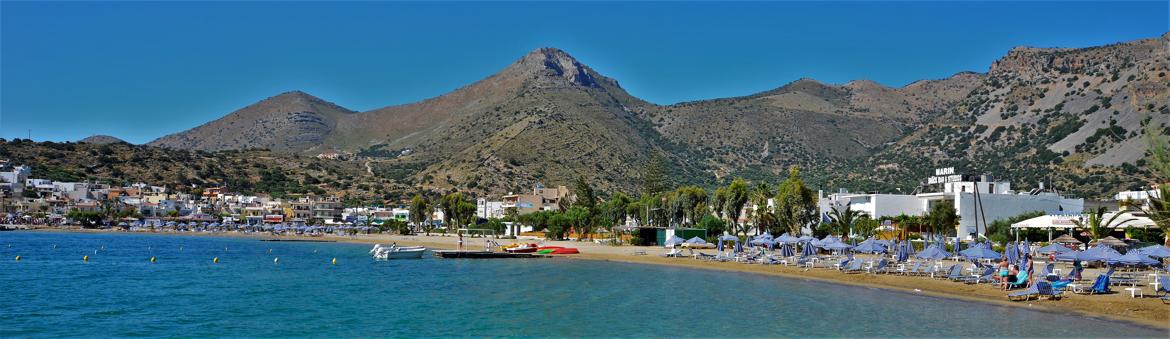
column 555, row 63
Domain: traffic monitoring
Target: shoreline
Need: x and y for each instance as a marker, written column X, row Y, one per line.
column 1148, row 312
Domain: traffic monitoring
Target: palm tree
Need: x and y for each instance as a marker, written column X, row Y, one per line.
column 1159, row 211
column 1098, row 226
column 843, row 220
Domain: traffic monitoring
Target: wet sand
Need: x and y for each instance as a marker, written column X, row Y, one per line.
column 1118, row 306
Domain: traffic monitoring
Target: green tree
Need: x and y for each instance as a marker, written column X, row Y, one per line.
column 796, row 204
column 420, row 210
column 693, row 201
column 614, row 210
column 718, row 200
column 581, row 220
column 713, row 224
column 449, row 204
column 762, row 215
column 1158, row 162
column 1099, row 226
column 842, row 221
column 737, row 196
column 865, row 226
column 585, row 197
column 942, row 219
column 654, row 176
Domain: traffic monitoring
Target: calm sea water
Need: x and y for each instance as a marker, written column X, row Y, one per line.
column 52, row 293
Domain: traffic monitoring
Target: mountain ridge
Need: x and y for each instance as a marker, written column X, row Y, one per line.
column 549, row 117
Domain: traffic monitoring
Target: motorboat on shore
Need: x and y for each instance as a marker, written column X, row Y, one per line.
column 394, row 251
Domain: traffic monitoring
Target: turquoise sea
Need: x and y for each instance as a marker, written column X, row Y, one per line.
column 51, row 292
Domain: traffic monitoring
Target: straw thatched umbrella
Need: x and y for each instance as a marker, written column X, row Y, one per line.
column 1067, row 239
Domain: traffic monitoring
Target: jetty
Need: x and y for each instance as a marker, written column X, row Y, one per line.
column 462, row 254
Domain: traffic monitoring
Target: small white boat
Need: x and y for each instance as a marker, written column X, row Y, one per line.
column 397, row 252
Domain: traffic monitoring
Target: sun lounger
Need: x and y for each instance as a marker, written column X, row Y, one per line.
column 1021, row 280
column 1046, row 290
column 881, row 267
column 988, row 272
column 915, row 270
column 1025, row 294
column 704, row 256
column 854, row 266
column 1100, row 286
column 955, row 273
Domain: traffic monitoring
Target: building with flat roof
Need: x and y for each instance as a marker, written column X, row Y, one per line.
column 978, row 200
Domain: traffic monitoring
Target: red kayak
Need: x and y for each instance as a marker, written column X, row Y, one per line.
column 565, row 250
column 549, row 248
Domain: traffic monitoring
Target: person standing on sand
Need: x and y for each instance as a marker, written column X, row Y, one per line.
column 1003, row 273
column 460, row 241
column 1028, row 266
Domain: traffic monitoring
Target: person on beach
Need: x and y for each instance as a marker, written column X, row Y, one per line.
column 1009, row 279
column 460, row 241
column 1003, row 269
column 1028, row 267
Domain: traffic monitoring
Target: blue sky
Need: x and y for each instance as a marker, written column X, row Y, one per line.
column 142, row 70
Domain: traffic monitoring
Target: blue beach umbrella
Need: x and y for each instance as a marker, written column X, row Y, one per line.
column 787, row 239
column 1133, row 258
column 807, row 250
column 786, row 250
column 696, row 240
column 903, row 251
column 1099, row 253
column 980, row 252
column 957, row 247
column 1157, row 251
column 837, row 246
column 933, row 252
column 870, row 247
column 738, row 247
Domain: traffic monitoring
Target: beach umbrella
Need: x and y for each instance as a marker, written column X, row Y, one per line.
column 1157, row 251
column 903, row 251
column 1067, row 239
column 1099, row 253
column 787, row 239
column 932, row 252
column 807, row 250
column 870, row 247
column 837, row 246
column 738, row 247
column 786, row 250
column 957, row 247
column 1111, row 241
column 805, row 238
column 696, row 240
column 1054, row 248
column 1133, row 258
column 674, row 241
column 761, row 241
column 980, row 252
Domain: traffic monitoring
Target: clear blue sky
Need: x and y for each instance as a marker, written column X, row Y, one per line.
column 142, row 70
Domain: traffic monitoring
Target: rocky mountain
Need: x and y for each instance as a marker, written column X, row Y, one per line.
column 292, row 122
column 1074, row 118
column 1037, row 114
column 101, row 140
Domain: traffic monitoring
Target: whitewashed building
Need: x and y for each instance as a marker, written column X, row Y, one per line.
column 978, row 200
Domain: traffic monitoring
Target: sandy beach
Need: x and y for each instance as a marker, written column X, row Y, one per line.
column 1117, row 306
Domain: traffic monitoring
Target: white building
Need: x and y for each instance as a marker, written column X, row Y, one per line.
column 978, row 200
column 12, row 180
column 489, row 209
